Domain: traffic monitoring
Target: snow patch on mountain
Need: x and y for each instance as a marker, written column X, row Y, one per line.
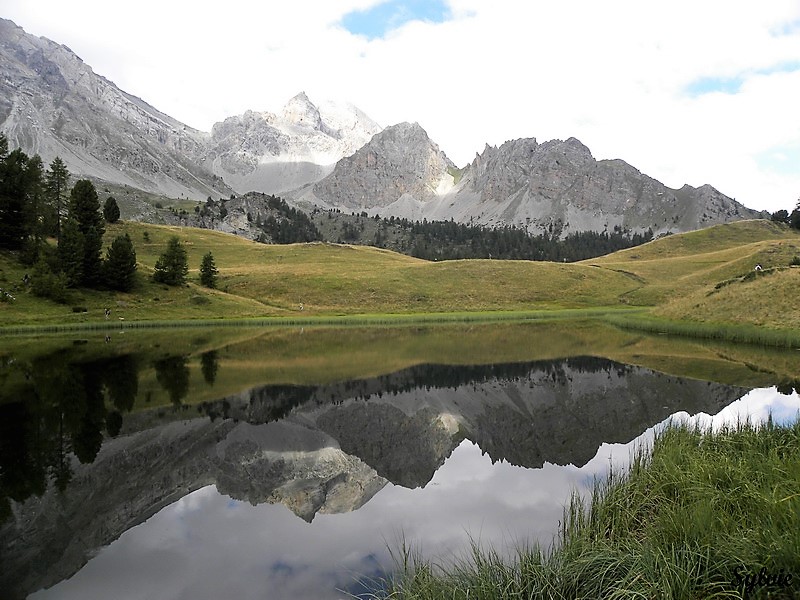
column 275, row 152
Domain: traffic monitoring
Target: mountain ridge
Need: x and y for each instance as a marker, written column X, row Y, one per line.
column 330, row 156
column 556, row 187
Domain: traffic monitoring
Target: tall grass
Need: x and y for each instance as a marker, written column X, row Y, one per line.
column 739, row 333
column 689, row 519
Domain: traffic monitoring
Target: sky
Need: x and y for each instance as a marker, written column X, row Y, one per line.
column 685, row 91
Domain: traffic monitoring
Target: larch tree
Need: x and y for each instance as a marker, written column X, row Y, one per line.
column 56, row 181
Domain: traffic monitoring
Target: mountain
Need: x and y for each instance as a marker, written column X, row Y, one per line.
column 399, row 164
column 326, row 155
column 555, row 187
column 53, row 104
column 274, row 153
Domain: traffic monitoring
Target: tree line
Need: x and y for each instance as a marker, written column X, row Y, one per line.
column 791, row 219
column 448, row 240
column 38, row 203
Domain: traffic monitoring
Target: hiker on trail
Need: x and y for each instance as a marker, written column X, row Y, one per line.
column 108, row 313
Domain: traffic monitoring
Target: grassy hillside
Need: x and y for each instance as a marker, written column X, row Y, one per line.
column 708, row 275
column 700, row 275
column 326, row 279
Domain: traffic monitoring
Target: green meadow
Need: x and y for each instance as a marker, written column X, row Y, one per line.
column 702, row 276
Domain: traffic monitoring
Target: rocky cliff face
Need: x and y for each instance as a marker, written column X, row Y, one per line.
column 53, row 104
column 556, row 187
column 400, row 163
column 273, row 153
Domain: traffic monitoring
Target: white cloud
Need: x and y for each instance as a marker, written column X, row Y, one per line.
column 615, row 74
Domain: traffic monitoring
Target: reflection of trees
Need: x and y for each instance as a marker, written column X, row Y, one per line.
column 88, row 436
column 61, row 410
column 120, row 376
column 209, row 365
column 22, row 461
column 114, row 423
column 172, row 374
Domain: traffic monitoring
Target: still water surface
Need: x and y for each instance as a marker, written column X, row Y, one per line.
column 260, row 467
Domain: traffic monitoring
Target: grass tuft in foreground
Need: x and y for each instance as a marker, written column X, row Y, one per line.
column 704, row 515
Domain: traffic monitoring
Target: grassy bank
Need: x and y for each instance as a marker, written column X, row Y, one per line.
column 691, row 519
column 358, row 320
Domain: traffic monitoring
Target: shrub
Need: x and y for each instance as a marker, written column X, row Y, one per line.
column 46, row 284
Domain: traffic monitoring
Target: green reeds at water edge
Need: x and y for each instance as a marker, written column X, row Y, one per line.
column 701, row 515
column 730, row 332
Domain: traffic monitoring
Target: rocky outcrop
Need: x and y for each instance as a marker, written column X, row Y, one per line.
column 290, row 464
column 327, row 155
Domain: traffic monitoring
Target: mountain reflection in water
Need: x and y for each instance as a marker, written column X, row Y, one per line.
column 361, row 459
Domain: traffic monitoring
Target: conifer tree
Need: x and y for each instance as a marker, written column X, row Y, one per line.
column 14, row 194
column 70, row 252
column 56, row 186
column 120, row 264
column 172, row 266
column 84, row 207
column 111, row 210
column 208, row 271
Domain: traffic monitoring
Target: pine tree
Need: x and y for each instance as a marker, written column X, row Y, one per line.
column 56, row 185
column 70, row 252
column 84, row 207
column 172, row 266
column 14, row 195
column 111, row 210
column 208, row 271
column 120, row 264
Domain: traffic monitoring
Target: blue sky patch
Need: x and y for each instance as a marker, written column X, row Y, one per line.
column 389, row 15
column 732, row 85
column 784, row 160
column 710, row 85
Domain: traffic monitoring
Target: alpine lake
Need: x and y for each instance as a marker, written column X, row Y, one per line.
column 277, row 463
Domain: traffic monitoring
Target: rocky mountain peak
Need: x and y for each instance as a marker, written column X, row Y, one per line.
column 274, row 153
column 301, row 111
column 400, row 162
